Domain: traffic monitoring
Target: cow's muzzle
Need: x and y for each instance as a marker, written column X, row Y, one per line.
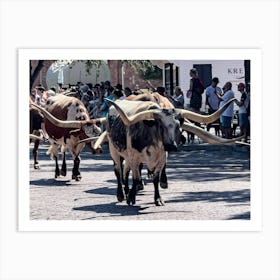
column 171, row 147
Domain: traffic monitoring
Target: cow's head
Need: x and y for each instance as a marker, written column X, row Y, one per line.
column 89, row 126
column 168, row 121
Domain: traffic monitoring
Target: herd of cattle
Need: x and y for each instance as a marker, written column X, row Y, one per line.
column 140, row 130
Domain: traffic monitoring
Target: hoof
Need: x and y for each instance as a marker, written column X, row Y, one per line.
column 120, row 197
column 77, row 177
column 36, row 165
column 159, row 202
column 163, row 185
column 140, row 187
column 130, row 200
column 57, row 173
column 63, row 173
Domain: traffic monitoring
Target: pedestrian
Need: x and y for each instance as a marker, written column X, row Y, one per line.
column 212, row 100
column 195, row 91
column 161, row 90
column 105, row 104
column 227, row 115
column 244, row 111
column 177, row 99
column 39, row 95
column 84, row 96
column 127, row 92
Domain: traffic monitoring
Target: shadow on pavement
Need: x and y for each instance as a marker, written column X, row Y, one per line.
column 50, row 182
column 244, row 216
column 117, row 209
column 239, row 196
column 104, row 190
column 112, row 209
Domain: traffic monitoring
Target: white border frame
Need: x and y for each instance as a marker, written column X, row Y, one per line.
column 254, row 224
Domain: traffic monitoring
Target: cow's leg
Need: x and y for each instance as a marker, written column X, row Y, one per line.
column 53, row 151
column 122, row 168
column 136, row 182
column 75, row 172
column 35, row 154
column 118, row 173
column 141, row 186
column 163, row 178
column 63, row 167
column 118, row 160
column 157, row 198
column 57, row 171
column 126, row 178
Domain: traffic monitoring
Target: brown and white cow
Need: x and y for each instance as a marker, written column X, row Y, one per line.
column 67, row 123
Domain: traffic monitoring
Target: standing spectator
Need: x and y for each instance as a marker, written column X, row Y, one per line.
column 127, row 92
column 212, row 98
column 84, row 98
column 161, row 90
column 107, row 87
column 244, row 111
column 105, row 104
column 227, row 116
column 195, row 94
column 39, row 95
column 196, row 90
column 178, row 99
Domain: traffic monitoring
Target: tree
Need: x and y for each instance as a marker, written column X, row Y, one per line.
column 34, row 75
column 147, row 70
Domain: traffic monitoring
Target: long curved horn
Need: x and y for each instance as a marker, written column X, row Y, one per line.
column 57, row 122
column 67, row 124
column 204, row 119
column 208, row 137
column 88, row 139
column 35, row 137
column 101, row 139
column 130, row 120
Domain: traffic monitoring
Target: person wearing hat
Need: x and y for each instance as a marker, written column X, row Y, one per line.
column 243, row 112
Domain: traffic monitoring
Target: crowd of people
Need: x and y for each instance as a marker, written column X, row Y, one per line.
column 216, row 98
column 94, row 98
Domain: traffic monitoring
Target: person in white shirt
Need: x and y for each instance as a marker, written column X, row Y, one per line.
column 227, row 116
column 243, row 111
column 212, row 98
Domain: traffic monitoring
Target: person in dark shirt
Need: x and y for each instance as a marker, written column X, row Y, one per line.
column 196, row 90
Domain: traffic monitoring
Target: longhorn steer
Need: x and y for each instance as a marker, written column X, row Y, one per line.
column 142, row 132
column 143, row 139
column 67, row 123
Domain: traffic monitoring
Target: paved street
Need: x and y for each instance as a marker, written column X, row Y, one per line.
column 205, row 183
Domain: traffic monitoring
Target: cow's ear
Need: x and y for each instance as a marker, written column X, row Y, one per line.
column 149, row 123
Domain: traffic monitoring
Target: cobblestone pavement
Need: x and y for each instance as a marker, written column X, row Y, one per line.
column 205, row 183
